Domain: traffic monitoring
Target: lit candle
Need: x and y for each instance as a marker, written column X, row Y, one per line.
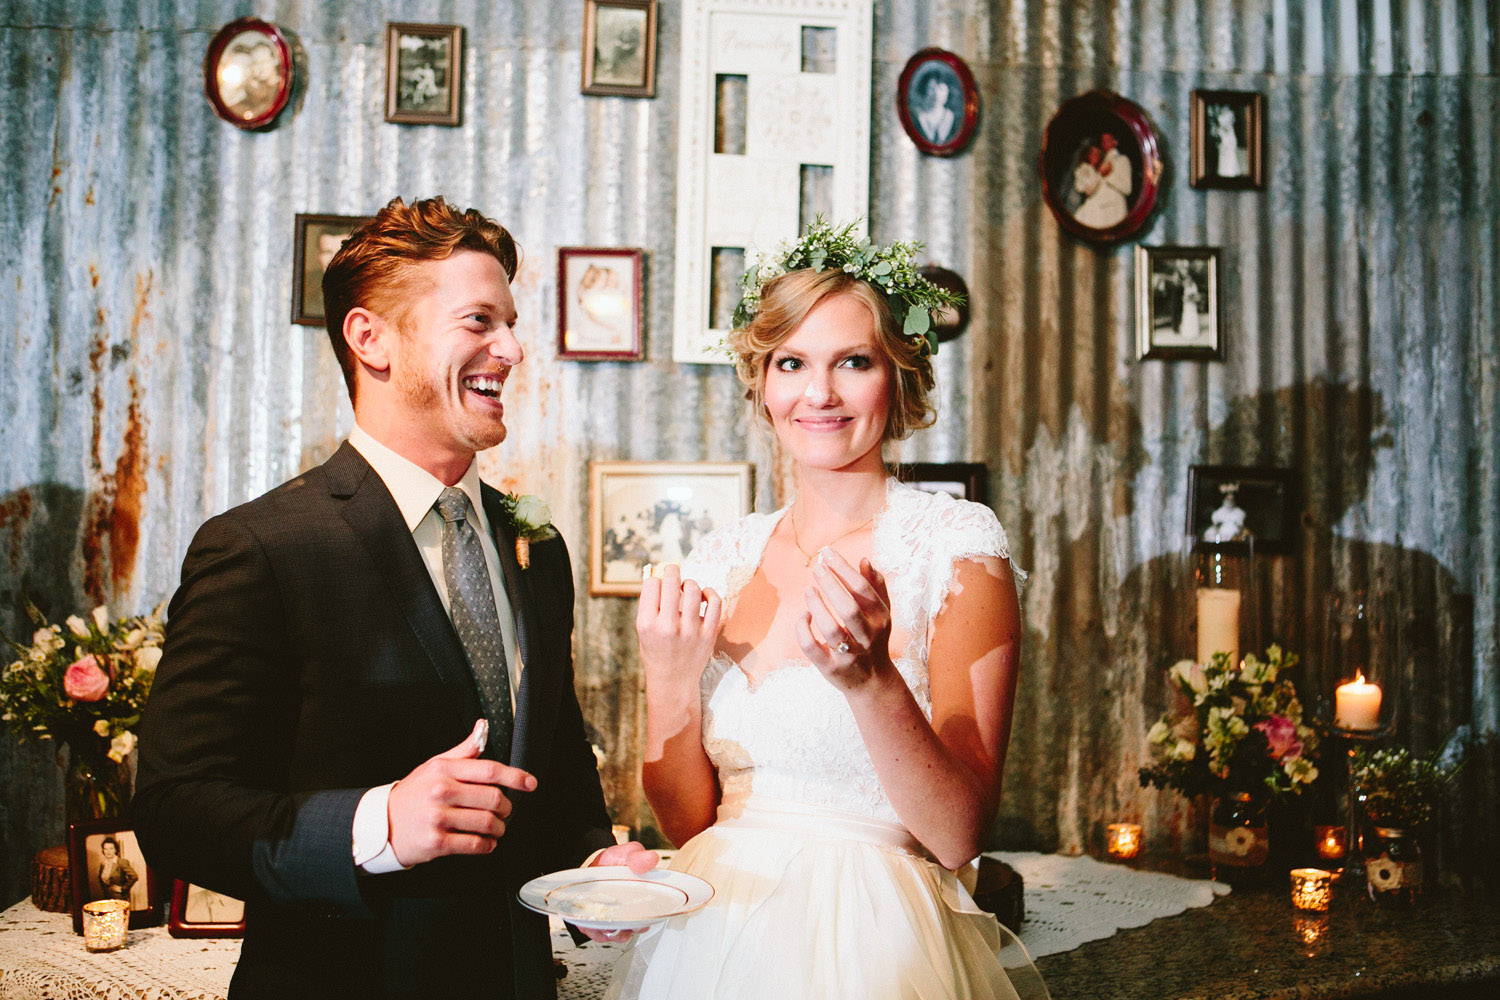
column 1218, row 623
column 1357, row 705
column 622, row 833
column 1331, row 842
column 1124, row 841
column 105, row 922
column 1311, row 888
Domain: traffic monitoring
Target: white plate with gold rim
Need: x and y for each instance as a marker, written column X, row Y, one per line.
column 613, row 898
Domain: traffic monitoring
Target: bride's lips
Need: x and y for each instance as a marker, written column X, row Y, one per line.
column 822, row 424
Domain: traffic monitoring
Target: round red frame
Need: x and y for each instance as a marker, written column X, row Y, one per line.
column 211, row 61
column 970, row 122
column 1099, row 103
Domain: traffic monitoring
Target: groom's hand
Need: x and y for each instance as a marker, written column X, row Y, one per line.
column 637, row 859
column 453, row 803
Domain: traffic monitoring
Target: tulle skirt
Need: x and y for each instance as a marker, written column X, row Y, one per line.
column 810, row 903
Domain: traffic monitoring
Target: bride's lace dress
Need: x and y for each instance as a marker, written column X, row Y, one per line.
column 819, row 889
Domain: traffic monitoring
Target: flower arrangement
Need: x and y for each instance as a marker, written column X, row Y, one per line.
column 83, row 683
column 1399, row 789
column 1239, row 730
column 530, row 520
column 915, row 302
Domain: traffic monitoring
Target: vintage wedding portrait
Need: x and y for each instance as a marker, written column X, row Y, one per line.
column 749, row 500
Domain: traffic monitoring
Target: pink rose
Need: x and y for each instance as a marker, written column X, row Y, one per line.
column 84, row 681
column 1281, row 734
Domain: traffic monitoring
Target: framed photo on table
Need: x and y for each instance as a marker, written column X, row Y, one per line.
column 424, row 72
column 599, row 303
column 964, row 480
column 1228, row 137
column 642, row 513
column 938, row 102
column 247, row 73
column 1101, row 166
column 197, row 912
column 619, row 48
column 105, row 862
column 315, row 239
column 1266, row 495
column 1177, row 304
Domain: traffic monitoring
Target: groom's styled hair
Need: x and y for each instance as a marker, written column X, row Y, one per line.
column 373, row 268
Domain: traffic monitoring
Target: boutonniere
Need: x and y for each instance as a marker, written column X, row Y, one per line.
column 530, row 520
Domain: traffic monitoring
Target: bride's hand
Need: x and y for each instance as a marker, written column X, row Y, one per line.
column 852, row 616
column 677, row 624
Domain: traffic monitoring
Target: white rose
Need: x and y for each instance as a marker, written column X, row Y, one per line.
column 147, row 657
column 101, row 617
column 532, row 511
column 120, row 746
column 102, row 727
column 77, row 626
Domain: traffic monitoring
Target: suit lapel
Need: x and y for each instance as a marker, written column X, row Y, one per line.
column 377, row 521
column 523, row 609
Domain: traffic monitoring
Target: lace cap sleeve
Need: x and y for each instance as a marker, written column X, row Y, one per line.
column 962, row 530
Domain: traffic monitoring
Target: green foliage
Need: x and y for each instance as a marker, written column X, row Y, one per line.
column 1399, row 789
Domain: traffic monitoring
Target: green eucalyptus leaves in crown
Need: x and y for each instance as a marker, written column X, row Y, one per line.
column 914, row 301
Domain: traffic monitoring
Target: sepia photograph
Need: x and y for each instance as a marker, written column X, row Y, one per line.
column 938, row 102
column 248, row 73
column 599, row 303
column 424, row 73
column 197, row 912
column 315, row 239
column 106, row 862
column 619, row 48
column 645, row 513
column 1177, row 303
column 1227, row 135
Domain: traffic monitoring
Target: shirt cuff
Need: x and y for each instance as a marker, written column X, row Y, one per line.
column 372, row 833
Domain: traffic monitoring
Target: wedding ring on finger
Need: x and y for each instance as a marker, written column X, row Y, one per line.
column 842, row 647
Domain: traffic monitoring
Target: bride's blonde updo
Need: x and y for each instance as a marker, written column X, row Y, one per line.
column 785, row 302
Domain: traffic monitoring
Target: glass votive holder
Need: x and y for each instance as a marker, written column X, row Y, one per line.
column 1313, row 933
column 622, row 833
column 1312, row 888
column 105, row 923
column 1124, row 841
column 1333, row 842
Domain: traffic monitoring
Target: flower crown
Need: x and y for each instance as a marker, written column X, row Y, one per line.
column 914, row 301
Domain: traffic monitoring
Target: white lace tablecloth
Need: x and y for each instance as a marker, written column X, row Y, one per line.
column 1068, row 901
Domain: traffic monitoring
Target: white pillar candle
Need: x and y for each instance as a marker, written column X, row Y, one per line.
column 1356, row 705
column 1218, row 623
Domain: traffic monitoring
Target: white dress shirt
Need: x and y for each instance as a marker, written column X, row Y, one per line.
column 415, row 490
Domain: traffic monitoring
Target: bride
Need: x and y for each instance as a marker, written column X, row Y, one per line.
column 829, row 687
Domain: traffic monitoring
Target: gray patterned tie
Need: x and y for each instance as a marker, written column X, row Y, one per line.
column 471, row 602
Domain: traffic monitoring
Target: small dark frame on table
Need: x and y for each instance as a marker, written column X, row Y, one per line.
column 1266, row 494
column 1101, row 165
column 128, row 877
column 315, row 239
column 247, row 73
column 950, row 320
column 1228, row 136
column 1178, row 308
column 619, row 48
column 599, row 297
column 963, row 480
column 186, row 919
column 938, row 102
column 424, row 73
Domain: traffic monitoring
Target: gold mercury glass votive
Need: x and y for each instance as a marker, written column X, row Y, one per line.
column 1311, row 888
column 105, row 922
column 1332, row 842
column 1124, row 841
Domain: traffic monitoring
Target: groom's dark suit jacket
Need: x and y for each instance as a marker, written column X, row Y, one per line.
column 308, row 658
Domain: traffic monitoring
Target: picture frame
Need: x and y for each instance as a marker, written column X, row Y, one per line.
column 1228, row 138
column 248, row 73
column 651, row 512
column 196, row 912
column 315, row 239
column 128, row 877
column 1268, row 496
column 1177, row 314
column 619, row 48
column 951, row 321
column 599, row 303
column 1102, row 167
column 424, row 73
column 962, row 480
column 938, row 102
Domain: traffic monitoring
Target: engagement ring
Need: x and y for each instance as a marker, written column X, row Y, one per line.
column 842, row 647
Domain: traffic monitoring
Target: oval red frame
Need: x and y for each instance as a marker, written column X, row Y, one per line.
column 1148, row 141
column 970, row 123
column 216, row 48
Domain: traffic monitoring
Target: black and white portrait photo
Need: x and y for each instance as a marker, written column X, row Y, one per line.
column 938, row 102
column 619, row 39
column 1227, row 135
column 1101, row 167
column 424, row 67
column 105, row 862
column 1177, row 302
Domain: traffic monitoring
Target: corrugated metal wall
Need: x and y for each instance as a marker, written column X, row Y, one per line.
column 154, row 379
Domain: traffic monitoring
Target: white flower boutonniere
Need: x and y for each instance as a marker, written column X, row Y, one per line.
column 530, row 519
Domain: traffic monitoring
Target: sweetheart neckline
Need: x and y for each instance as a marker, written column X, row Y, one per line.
column 754, row 684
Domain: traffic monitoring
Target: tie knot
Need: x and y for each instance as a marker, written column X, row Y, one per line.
column 453, row 504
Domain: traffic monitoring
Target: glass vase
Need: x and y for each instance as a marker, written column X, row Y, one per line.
column 96, row 787
column 1393, row 868
column 1238, row 837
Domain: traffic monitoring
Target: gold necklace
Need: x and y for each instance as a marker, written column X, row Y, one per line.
column 792, row 516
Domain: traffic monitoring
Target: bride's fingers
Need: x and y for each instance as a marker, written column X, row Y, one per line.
column 843, row 605
column 650, row 603
column 714, row 606
column 857, row 582
column 692, row 602
column 830, row 629
column 811, row 647
column 671, row 590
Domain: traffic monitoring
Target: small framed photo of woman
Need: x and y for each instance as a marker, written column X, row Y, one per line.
column 197, row 912
column 105, row 862
column 1101, row 167
column 619, row 48
column 424, row 72
column 938, row 102
column 1177, row 303
column 1228, row 134
column 599, row 303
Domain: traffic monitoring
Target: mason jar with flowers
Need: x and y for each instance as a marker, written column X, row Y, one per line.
column 1400, row 793
column 1236, row 733
column 83, row 684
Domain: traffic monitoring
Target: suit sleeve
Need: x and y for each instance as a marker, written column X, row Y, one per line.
column 210, row 804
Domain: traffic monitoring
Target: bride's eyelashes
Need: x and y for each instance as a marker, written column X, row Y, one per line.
column 791, row 363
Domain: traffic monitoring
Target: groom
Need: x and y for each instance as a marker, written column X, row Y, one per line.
column 364, row 722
